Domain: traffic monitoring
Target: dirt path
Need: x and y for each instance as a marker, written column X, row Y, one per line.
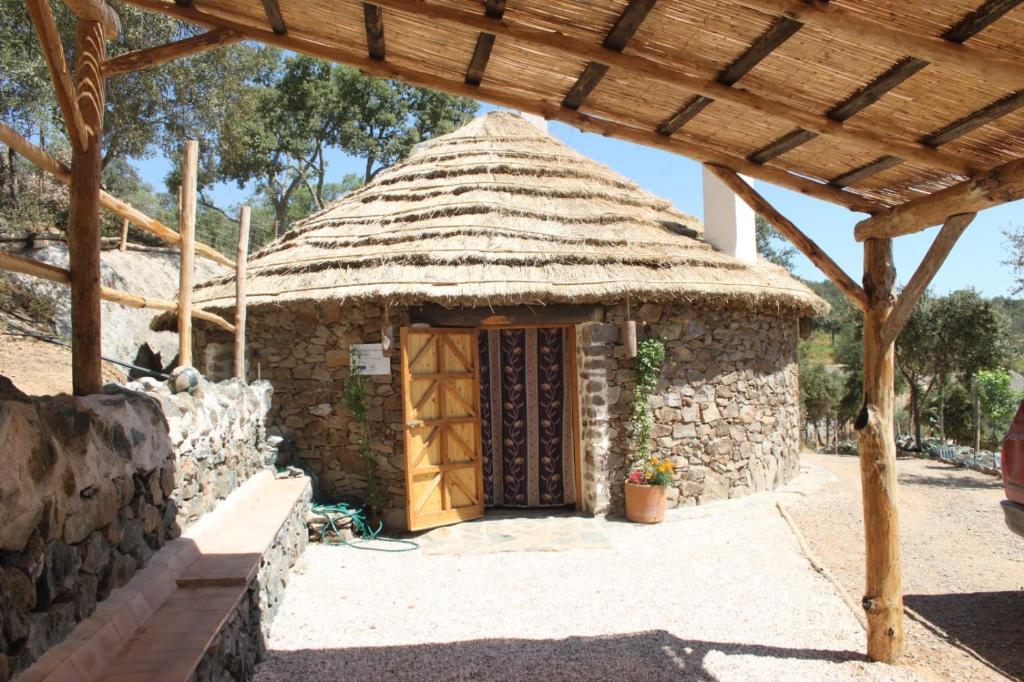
column 40, row 368
column 963, row 571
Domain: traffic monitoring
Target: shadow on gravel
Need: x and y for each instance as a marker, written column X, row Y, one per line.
column 991, row 624
column 648, row 656
column 948, row 478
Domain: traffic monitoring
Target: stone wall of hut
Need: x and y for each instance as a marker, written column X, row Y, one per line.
column 303, row 350
column 726, row 411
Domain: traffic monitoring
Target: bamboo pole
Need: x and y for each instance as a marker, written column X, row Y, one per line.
column 123, row 245
column 883, row 595
column 120, row 208
column 241, row 258
column 678, row 143
column 84, row 215
column 793, row 234
column 61, row 276
column 187, row 225
column 53, row 52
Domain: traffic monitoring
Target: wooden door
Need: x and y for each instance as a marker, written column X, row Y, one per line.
column 441, row 393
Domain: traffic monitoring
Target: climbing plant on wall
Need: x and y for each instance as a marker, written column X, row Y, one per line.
column 650, row 357
column 355, row 401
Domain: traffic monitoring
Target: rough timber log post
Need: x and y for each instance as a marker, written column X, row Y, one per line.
column 241, row 259
column 187, row 228
column 883, row 595
column 84, row 215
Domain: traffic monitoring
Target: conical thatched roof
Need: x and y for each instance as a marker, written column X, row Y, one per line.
column 501, row 213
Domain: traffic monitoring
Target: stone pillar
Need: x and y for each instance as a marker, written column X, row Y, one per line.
column 597, row 376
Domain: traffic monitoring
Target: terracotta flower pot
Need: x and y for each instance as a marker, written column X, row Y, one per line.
column 645, row 503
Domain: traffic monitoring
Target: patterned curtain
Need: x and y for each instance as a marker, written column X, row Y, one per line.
column 526, row 418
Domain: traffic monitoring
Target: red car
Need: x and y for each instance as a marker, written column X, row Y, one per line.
column 1013, row 473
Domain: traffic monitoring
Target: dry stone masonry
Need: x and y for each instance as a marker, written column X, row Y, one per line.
column 94, row 486
column 726, row 411
column 85, row 500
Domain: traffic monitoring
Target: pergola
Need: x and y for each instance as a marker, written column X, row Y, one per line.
column 907, row 110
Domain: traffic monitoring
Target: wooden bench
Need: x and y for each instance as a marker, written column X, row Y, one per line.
column 159, row 626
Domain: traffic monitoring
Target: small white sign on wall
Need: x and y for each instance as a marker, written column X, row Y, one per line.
column 370, row 359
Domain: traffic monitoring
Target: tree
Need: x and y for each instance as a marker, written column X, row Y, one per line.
column 148, row 110
column 771, row 245
column 919, row 357
column 973, row 336
column 380, row 121
column 821, row 390
column 1014, row 244
column 998, row 403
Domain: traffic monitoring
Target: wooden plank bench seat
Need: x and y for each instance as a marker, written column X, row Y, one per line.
column 159, row 626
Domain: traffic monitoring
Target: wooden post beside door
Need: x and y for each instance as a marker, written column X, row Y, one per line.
column 883, row 595
column 84, row 215
column 241, row 258
column 187, row 227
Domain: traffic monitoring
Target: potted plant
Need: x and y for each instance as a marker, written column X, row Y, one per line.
column 649, row 474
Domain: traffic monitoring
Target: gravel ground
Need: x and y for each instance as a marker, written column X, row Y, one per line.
column 963, row 571
column 717, row 592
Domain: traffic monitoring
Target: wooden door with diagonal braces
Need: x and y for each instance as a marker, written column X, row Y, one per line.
column 441, row 394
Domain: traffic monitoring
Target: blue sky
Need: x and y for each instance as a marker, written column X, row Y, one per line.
column 975, row 261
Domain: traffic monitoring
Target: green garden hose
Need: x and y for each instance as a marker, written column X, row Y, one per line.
column 330, row 533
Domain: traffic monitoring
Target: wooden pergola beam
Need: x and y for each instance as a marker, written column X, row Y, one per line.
column 538, row 106
column 877, row 32
column 274, row 16
column 484, row 45
column 977, row 20
column 793, row 234
column 982, row 117
column 373, row 21
column 997, row 186
column 879, row 141
column 53, row 52
column 864, row 172
column 59, row 275
column 922, row 277
column 781, row 30
column 618, row 37
column 187, row 226
column 161, row 54
column 98, row 11
column 116, row 206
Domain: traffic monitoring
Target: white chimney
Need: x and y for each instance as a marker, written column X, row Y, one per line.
column 728, row 221
column 538, row 121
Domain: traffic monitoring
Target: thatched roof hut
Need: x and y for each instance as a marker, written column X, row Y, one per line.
column 496, row 213
column 516, row 269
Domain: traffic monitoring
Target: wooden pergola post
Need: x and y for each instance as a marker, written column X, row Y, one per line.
column 241, row 260
column 187, row 228
column 883, row 594
column 123, row 244
column 84, row 215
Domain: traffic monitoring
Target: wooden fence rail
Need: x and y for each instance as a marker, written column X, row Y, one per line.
column 55, row 274
column 121, row 208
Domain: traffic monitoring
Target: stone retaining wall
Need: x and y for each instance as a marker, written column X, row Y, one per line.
column 85, row 501
column 94, row 486
column 726, row 411
column 218, row 434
